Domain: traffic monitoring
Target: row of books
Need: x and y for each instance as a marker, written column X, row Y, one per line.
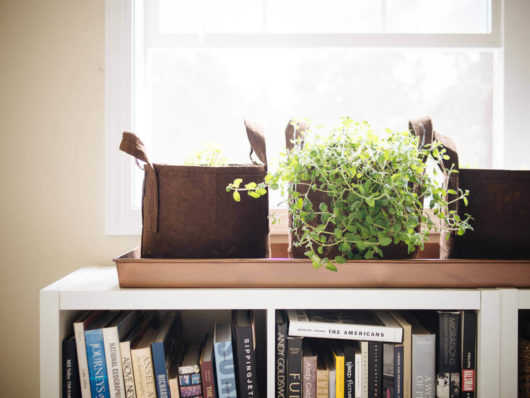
column 376, row 354
column 134, row 354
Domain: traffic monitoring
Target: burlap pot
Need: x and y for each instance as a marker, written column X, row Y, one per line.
column 420, row 127
column 187, row 213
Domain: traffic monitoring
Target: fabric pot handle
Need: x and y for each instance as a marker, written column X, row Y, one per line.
column 256, row 138
column 423, row 129
column 294, row 129
column 132, row 145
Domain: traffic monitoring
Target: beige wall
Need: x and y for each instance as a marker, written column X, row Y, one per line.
column 52, row 89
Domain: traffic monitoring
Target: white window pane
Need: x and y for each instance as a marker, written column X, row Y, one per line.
column 318, row 16
column 210, row 16
column 430, row 16
column 198, row 96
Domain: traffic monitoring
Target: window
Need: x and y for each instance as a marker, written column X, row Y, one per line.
column 183, row 72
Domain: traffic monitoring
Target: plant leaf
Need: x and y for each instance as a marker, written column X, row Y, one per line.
column 237, row 196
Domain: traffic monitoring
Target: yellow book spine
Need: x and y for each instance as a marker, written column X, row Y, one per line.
column 339, row 376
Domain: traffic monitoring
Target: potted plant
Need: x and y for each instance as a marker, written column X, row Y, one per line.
column 355, row 194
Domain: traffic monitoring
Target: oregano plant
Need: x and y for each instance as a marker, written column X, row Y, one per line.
column 373, row 188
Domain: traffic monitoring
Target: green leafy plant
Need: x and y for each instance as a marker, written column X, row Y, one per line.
column 210, row 155
column 371, row 188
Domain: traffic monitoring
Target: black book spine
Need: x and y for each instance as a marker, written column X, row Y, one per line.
column 294, row 367
column 71, row 382
column 375, row 369
column 398, row 371
column 349, row 370
column 449, row 342
column 281, row 358
column 246, row 362
column 469, row 347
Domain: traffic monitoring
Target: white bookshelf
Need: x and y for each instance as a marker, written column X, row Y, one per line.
column 98, row 288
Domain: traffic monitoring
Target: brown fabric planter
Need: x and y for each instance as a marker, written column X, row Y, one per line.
column 499, row 202
column 187, row 213
column 420, row 127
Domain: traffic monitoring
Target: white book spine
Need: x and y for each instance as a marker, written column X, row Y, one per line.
column 423, row 363
column 364, row 375
column 343, row 331
column 358, row 374
column 127, row 369
column 79, row 331
column 111, row 342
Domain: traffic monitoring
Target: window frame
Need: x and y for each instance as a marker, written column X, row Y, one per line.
column 123, row 20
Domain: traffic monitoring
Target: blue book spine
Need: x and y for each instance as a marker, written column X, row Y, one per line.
column 97, row 365
column 224, row 366
column 159, row 365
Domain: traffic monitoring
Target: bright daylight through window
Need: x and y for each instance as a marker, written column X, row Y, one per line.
column 202, row 67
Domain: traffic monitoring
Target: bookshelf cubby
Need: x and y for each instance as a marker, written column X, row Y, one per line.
column 98, row 288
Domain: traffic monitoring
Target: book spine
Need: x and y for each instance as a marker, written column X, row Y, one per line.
column 160, row 370
column 309, row 367
column 398, row 371
column 375, row 369
column 388, row 371
column 144, row 380
column 97, row 367
column 246, row 362
column 349, row 372
column 111, row 342
column 281, row 359
column 469, row 347
column 364, row 383
column 224, row 366
column 343, row 331
column 332, row 383
column 174, row 388
column 294, row 367
column 71, row 384
column 448, row 346
column 358, row 374
column 322, row 383
column 127, row 369
column 339, row 376
column 423, row 361
column 84, row 378
column 207, row 379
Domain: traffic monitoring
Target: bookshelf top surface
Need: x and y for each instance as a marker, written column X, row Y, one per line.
column 98, row 288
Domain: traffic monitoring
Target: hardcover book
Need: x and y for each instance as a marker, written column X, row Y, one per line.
column 407, row 353
column 469, row 353
column 322, row 378
column 280, row 355
column 342, row 324
column 309, row 370
column 245, row 343
column 83, row 322
column 130, row 340
column 206, row 364
column 95, row 352
column 358, row 370
column 71, row 384
column 375, row 369
column 388, row 370
column 142, row 361
column 112, row 334
column 324, row 350
column 423, row 359
column 349, row 349
column 294, row 367
column 224, row 361
column 190, row 372
column 338, row 357
column 364, row 379
column 446, row 326
column 161, row 349
column 398, row 371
